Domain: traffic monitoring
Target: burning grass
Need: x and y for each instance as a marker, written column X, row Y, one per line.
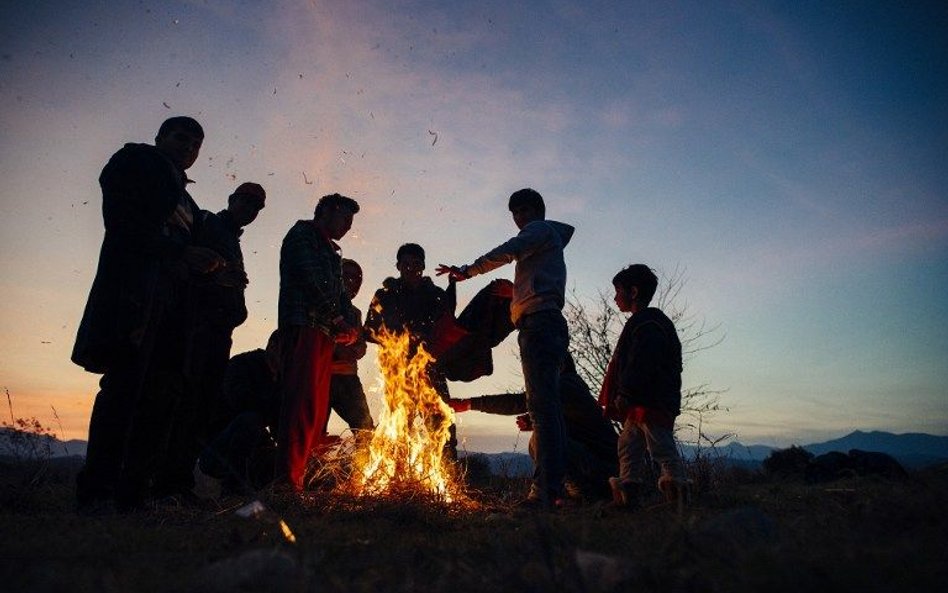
column 404, row 458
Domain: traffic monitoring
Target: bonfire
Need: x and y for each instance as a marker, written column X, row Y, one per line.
column 405, row 455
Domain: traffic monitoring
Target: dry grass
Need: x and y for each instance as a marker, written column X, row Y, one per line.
column 739, row 535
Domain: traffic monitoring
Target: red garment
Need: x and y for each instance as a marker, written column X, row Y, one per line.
column 640, row 414
column 608, row 395
column 306, row 372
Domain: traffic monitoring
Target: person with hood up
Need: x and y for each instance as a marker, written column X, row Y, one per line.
column 539, row 293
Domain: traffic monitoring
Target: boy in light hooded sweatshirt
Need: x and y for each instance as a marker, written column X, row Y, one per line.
column 536, row 310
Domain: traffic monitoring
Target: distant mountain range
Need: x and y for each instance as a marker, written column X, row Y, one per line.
column 912, row 450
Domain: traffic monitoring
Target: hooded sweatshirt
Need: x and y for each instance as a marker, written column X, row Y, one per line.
column 540, row 273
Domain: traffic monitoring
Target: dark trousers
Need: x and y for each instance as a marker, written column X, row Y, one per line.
column 132, row 418
column 543, row 341
column 196, row 419
column 242, row 454
column 347, row 399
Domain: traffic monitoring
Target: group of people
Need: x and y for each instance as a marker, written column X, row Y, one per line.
column 169, row 291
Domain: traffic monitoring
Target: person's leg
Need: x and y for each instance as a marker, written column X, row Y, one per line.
column 586, row 471
column 226, row 456
column 305, row 406
column 673, row 480
column 347, row 399
column 543, row 341
column 109, row 424
column 440, row 385
column 631, row 448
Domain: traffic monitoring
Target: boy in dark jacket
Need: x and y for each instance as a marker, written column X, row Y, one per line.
column 413, row 303
column 642, row 389
column 135, row 325
column 219, row 308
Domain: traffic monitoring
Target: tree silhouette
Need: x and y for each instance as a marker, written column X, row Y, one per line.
column 595, row 325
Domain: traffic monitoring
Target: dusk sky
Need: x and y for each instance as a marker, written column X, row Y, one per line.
column 790, row 157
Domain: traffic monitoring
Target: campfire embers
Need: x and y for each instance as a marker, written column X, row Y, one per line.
column 405, row 454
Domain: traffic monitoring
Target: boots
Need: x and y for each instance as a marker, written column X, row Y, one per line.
column 625, row 494
column 675, row 492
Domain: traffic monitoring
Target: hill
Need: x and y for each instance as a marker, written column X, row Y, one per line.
column 912, row 450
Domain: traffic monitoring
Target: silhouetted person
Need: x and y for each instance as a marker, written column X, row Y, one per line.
column 413, row 303
column 136, row 322
column 642, row 389
column 312, row 320
column 591, row 438
column 536, row 310
column 242, row 454
column 346, row 395
column 220, row 308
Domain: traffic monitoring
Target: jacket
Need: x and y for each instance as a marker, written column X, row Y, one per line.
column 645, row 369
column 223, row 307
column 149, row 218
column 311, row 290
column 400, row 308
column 540, row 273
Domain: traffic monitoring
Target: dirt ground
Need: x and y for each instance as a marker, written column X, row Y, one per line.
column 741, row 532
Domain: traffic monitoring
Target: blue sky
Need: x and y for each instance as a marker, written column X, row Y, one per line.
column 788, row 156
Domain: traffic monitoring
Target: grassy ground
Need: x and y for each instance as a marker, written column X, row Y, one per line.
column 741, row 533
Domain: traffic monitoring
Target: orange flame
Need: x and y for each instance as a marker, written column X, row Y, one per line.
column 406, row 449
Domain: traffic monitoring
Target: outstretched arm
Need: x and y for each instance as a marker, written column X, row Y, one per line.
column 455, row 273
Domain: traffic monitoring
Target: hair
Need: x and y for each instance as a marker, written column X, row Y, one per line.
column 334, row 201
column 527, row 197
column 410, row 249
column 351, row 262
column 188, row 124
column 640, row 276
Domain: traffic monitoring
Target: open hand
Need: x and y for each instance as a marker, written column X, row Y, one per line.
column 455, row 272
column 202, row 260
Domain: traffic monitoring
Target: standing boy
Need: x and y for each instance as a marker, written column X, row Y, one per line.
column 536, row 310
column 311, row 321
column 219, row 308
column 642, row 389
column 136, row 321
column 346, row 395
column 413, row 303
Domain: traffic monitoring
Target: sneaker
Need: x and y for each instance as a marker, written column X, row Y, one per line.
column 534, row 501
column 534, row 493
column 573, row 490
column 624, row 493
column 674, row 491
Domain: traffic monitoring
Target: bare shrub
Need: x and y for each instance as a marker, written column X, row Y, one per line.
column 25, row 440
column 595, row 326
column 787, row 462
